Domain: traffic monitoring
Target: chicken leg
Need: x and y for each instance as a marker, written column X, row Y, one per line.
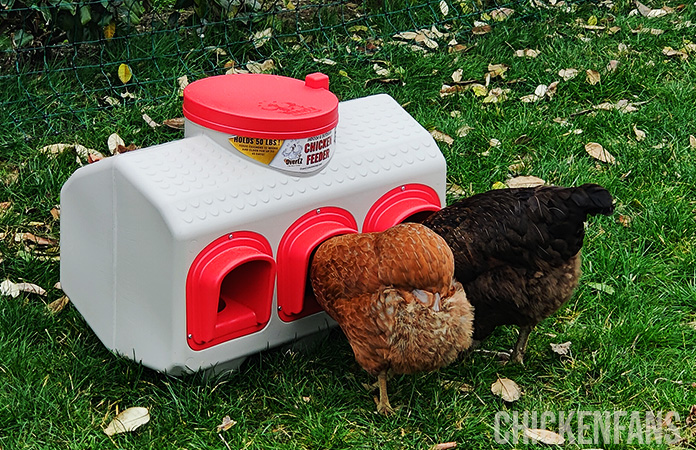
column 383, row 406
column 517, row 355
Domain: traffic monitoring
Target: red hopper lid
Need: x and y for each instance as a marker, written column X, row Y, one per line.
column 264, row 106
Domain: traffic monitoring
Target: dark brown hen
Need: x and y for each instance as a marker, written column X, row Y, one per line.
column 394, row 296
column 517, row 252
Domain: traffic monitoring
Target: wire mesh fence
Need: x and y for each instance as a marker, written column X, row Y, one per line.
column 61, row 61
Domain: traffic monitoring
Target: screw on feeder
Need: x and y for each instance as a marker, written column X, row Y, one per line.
column 230, row 236
column 403, row 188
column 318, row 210
column 280, row 308
column 190, row 336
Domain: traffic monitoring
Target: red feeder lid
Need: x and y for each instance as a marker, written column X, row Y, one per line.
column 265, row 106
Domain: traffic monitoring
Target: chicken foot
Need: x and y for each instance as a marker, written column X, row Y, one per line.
column 517, row 355
column 383, row 406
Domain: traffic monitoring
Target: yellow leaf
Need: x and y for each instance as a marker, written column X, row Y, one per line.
column 593, row 76
column 110, row 30
column 592, row 20
column 356, row 28
column 124, row 73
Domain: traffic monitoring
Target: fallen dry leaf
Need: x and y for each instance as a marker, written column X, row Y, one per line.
column 568, row 74
column 501, row 14
column 479, row 90
column 446, row 90
column 4, row 206
column 493, row 142
column 126, row 149
column 593, row 77
column 55, row 149
column 527, row 53
column 176, row 123
column 261, row 37
column 444, row 446
column 32, row 238
column 57, row 306
column 598, row 152
column 496, row 95
column 151, row 123
column 561, row 349
column 55, row 212
column 265, row 67
column 544, row 436
column 457, row 75
column 444, row 8
column 463, row 131
column 114, row 141
column 692, row 141
column 381, row 71
column 623, row 106
column 128, row 420
column 8, row 288
column 506, row 389
column 651, row 13
column 182, row 82
column 226, row 424
column 640, row 134
column 539, row 93
column 601, row 287
column 691, row 418
column 441, row 137
column 497, row 70
column 327, row 61
column 456, row 190
column 669, row 51
column 524, row 182
column 481, row 29
column 612, row 66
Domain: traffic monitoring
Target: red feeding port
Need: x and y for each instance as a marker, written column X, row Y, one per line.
column 295, row 295
column 407, row 203
column 229, row 289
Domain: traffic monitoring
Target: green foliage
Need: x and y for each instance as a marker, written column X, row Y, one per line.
column 45, row 22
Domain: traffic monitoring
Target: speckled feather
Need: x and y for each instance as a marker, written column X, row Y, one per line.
column 394, row 296
column 517, row 251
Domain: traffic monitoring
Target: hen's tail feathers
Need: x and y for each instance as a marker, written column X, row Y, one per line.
column 593, row 199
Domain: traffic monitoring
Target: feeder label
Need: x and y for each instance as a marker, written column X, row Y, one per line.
column 291, row 155
column 262, row 150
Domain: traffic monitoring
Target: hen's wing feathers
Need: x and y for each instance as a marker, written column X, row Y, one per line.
column 416, row 260
column 518, row 226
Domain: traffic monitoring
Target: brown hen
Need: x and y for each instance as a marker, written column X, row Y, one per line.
column 517, row 252
column 394, row 296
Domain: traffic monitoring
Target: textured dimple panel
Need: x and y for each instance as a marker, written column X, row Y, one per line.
column 195, row 179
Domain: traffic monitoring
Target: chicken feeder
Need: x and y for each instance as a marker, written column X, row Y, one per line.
column 194, row 254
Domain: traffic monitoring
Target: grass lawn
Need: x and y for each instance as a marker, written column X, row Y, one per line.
column 632, row 322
